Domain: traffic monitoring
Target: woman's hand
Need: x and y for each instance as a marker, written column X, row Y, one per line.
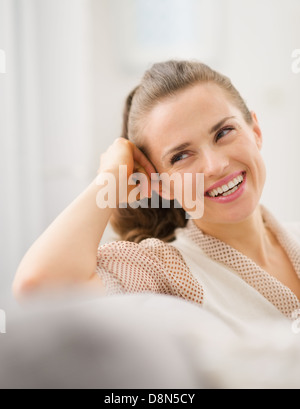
column 125, row 153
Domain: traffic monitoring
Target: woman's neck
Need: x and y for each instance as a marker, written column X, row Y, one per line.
column 250, row 237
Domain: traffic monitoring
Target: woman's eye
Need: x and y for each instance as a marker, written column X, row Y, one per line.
column 177, row 157
column 223, row 133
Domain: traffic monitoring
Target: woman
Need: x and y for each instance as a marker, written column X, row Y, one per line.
column 236, row 260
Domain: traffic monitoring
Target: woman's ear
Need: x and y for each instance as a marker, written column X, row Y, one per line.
column 257, row 131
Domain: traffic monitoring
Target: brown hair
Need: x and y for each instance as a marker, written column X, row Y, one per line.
column 163, row 80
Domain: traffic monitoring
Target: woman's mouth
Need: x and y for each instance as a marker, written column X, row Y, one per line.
column 229, row 191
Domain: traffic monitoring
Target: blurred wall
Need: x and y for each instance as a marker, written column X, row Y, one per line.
column 70, row 65
column 261, row 37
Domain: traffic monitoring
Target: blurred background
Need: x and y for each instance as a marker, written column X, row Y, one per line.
column 70, row 65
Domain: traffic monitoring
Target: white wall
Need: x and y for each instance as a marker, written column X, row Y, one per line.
column 62, row 98
column 46, row 129
column 21, row 214
column 261, row 36
column 65, row 87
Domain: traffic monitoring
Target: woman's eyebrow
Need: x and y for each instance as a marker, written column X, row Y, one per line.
column 177, row 149
column 216, row 127
column 188, row 144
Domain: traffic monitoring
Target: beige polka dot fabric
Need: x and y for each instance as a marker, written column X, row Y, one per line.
column 272, row 289
column 150, row 266
column 157, row 267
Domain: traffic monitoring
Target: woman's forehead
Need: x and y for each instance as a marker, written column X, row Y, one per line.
column 194, row 110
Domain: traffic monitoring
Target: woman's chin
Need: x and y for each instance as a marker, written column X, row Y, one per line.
column 230, row 214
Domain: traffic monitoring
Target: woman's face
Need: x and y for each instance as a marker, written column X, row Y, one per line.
column 222, row 145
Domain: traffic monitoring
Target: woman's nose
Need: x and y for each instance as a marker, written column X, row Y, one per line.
column 213, row 163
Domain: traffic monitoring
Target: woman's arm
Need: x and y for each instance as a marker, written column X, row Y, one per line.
column 66, row 253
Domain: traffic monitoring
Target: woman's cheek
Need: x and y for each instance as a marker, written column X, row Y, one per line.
column 189, row 186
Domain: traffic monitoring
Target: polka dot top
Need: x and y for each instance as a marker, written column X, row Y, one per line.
column 157, row 267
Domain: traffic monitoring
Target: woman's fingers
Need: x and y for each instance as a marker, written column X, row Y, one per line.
column 143, row 161
column 144, row 166
column 124, row 152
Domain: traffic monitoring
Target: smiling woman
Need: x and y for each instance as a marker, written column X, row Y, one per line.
column 237, row 260
column 187, row 118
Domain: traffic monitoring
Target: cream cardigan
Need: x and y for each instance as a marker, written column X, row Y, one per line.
column 204, row 270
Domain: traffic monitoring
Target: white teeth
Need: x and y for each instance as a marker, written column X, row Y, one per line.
column 231, row 191
column 227, row 190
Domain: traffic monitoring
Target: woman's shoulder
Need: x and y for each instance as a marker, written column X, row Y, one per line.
column 150, row 265
column 293, row 228
column 149, row 248
column 277, row 223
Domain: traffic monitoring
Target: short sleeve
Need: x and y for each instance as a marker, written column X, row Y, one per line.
column 149, row 266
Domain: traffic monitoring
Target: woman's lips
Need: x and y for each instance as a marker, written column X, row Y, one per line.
column 233, row 196
column 224, row 181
